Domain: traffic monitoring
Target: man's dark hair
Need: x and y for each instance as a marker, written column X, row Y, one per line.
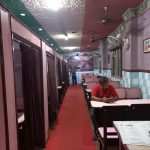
column 103, row 80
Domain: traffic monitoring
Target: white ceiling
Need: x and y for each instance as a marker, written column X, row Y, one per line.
column 67, row 20
column 80, row 20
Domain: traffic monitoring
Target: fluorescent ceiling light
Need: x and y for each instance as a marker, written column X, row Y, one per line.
column 70, row 48
column 53, row 4
column 40, row 29
column 70, row 36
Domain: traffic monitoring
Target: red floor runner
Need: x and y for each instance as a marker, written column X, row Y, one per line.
column 73, row 130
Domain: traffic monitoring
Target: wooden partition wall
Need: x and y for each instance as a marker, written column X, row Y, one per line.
column 10, row 26
column 2, row 113
column 8, row 82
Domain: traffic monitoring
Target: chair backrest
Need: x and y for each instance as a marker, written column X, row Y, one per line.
column 89, row 79
column 140, row 112
column 95, row 80
column 107, row 114
column 121, row 93
column 134, row 93
column 91, row 85
column 115, row 84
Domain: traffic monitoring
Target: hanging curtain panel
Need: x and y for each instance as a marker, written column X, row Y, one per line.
column 33, row 97
column 59, row 72
column 52, row 90
column 65, row 73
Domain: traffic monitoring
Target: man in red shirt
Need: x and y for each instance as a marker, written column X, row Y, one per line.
column 104, row 92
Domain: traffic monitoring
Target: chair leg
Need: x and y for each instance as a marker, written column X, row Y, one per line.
column 101, row 144
column 105, row 138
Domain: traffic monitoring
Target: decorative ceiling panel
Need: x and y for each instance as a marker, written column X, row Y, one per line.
column 94, row 12
column 16, row 7
column 66, row 21
column 79, row 19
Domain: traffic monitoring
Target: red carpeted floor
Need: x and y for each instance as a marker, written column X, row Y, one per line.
column 73, row 130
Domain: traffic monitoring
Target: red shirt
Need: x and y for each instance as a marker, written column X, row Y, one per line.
column 97, row 91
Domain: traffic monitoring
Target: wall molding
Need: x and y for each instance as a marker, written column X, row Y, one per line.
column 131, row 13
column 106, row 68
column 136, row 70
column 134, row 12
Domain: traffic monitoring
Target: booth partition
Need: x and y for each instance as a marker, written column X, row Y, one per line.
column 29, row 94
column 52, row 90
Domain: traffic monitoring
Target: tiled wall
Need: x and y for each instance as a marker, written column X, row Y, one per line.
column 106, row 73
column 144, row 84
column 133, row 79
column 129, row 79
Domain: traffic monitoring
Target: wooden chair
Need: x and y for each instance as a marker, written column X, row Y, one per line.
column 133, row 93
column 115, row 84
column 88, row 98
column 103, row 123
column 140, row 112
column 121, row 93
column 90, row 85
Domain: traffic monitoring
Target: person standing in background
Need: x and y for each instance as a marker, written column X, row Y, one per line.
column 74, row 78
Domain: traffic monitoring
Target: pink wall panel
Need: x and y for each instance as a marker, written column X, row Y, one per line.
column 9, row 79
column 24, row 32
column 45, row 89
column 2, row 121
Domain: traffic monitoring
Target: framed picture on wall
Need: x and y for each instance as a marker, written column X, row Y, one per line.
column 146, row 45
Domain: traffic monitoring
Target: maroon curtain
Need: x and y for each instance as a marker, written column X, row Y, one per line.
column 52, row 90
column 59, row 72
column 33, row 97
column 65, row 73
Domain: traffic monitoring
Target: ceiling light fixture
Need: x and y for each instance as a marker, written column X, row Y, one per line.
column 23, row 14
column 53, row 4
column 70, row 48
column 40, row 29
column 52, row 44
column 105, row 19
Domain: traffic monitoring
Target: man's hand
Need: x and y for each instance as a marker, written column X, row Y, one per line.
column 112, row 99
column 104, row 99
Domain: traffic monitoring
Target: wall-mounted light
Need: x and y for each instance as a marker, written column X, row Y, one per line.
column 22, row 14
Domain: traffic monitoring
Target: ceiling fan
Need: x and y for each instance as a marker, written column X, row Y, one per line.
column 105, row 19
column 113, row 40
